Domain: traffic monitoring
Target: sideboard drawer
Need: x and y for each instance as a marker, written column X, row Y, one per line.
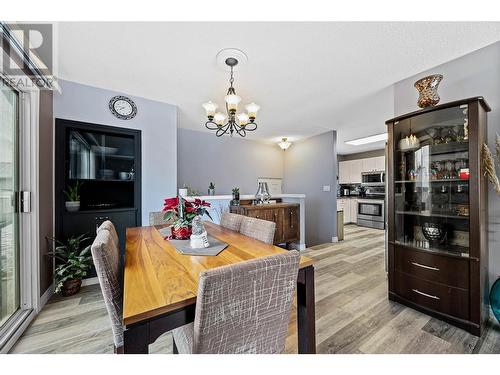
column 438, row 297
column 433, row 267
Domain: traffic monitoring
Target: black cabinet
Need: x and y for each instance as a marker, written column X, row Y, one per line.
column 105, row 162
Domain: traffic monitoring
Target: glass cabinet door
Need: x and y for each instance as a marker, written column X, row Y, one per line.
column 431, row 181
column 99, row 156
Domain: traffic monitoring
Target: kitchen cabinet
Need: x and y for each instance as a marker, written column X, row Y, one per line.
column 438, row 211
column 285, row 215
column 369, row 164
column 353, row 207
column 380, row 163
column 355, row 170
column 344, row 174
column 350, row 208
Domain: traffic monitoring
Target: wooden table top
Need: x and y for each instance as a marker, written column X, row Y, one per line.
column 158, row 279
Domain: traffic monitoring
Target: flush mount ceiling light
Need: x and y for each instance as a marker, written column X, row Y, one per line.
column 239, row 123
column 366, row 140
column 284, row 144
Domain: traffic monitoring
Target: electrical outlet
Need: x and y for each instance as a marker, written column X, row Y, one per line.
column 326, row 187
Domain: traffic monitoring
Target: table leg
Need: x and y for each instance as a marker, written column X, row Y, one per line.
column 306, row 320
column 136, row 339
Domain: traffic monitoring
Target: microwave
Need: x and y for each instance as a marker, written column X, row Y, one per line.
column 373, row 178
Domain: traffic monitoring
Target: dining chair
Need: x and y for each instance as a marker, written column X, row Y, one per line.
column 158, row 218
column 106, row 256
column 259, row 229
column 231, row 221
column 108, row 225
column 242, row 308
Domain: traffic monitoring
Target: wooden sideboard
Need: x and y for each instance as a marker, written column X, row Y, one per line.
column 285, row 215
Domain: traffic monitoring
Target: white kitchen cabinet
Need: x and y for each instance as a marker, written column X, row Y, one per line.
column 353, row 206
column 355, row 169
column 350, row 208
column 344, row 174
column 380, row 163
column 343, row 204
column 368, row 164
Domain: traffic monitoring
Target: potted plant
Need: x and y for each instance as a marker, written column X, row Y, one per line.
column 236, row 197
column 183, row 212
column 211, row 189
column 73, row 195
column 74, row 260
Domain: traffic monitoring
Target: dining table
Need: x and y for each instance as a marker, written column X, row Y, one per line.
column 160, row 284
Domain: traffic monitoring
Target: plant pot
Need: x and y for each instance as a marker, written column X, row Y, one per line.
column 182, row 233
column 211, row 191
column 71, row 287
column 72, row 206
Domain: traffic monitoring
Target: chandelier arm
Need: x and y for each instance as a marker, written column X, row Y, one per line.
column 222, row 130
column 249, row 128
column 210, row 123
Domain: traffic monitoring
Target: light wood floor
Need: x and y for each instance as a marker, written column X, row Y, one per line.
column 353, row 314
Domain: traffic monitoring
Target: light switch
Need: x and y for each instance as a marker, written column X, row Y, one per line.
column 326, row 187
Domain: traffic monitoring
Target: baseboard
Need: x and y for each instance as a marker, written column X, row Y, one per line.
column 46, row 296
column 335, row 239
column 90, row 281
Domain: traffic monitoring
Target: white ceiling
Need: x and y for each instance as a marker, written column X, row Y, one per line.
column 307, row 77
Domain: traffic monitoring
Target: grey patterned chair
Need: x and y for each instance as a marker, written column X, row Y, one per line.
column 242, row 308
column 259, row 229
column 157, row 218
column 106, row 256
column 108, row 225
column 231, row 221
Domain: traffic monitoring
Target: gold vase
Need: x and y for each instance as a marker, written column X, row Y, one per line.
column 427, row 90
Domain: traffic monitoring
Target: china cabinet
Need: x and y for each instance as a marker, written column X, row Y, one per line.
column 437, row 212
column 105, row 162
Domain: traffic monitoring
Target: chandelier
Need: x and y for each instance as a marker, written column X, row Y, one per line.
column 241, row 123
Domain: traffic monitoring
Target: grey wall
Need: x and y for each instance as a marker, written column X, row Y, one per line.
column 228, row 162
column 309, row 165
column 475, row 74
column 157, row 122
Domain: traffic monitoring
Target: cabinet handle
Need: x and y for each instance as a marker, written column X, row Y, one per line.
column 291, row 219
column 256, row 216
column 426, row 295
column 424, row 266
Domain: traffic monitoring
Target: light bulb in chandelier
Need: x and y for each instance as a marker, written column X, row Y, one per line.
column 219, row 118
column 243, row 119
column 210, row 108
column 252, row 110
column 232, row 101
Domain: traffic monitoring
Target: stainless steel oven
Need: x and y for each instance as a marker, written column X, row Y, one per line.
column 371, row 213
column 373, row 178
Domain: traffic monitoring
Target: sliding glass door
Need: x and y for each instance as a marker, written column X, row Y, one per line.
column 9, row 220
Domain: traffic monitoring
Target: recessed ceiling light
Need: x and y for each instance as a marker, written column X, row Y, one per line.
column 370, row 139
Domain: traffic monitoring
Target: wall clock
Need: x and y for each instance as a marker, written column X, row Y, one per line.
column 122, row 107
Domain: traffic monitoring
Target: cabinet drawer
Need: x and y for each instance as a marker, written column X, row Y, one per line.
column 433, row 267
column 438, row 297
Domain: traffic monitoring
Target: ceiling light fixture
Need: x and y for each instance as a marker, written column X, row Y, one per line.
column 240, row 123
column 366, row 140
column 284, row 144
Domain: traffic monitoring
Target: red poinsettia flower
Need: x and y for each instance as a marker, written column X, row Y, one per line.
column 170, row 203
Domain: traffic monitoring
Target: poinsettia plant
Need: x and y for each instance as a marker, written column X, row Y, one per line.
column 183, row 211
